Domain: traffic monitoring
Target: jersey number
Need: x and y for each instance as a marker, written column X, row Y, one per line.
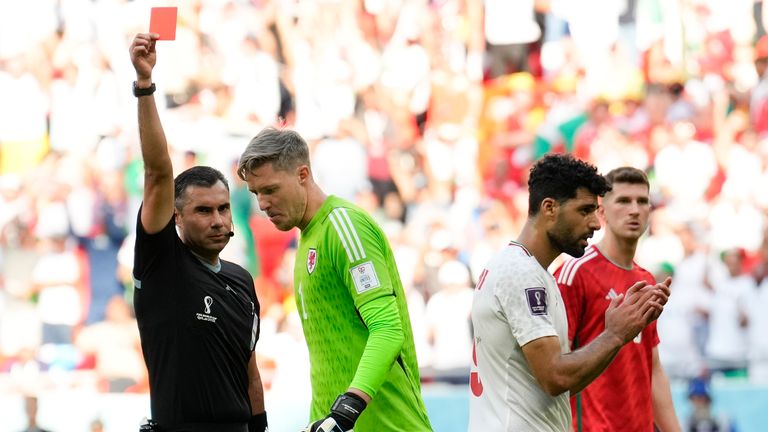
column 474, row 377
column 301, row 297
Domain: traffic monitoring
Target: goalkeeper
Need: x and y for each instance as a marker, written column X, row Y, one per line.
column 349, row 296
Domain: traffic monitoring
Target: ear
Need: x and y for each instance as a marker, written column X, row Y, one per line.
column 549, row 207
column 303, row 172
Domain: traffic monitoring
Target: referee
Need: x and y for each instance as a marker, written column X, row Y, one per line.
column 198, row 315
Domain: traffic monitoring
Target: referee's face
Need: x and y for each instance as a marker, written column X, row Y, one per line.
column 205, row 221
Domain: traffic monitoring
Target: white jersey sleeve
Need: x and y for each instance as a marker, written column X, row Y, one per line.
column 525, row 301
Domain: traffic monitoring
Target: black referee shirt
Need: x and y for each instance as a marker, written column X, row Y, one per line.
column 198, row 329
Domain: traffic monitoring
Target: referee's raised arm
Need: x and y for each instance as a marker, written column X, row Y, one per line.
column 158, row 170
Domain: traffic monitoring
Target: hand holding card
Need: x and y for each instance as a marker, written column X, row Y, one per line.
column 163, row 22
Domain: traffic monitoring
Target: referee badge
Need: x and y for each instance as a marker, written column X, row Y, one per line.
column 311, row 260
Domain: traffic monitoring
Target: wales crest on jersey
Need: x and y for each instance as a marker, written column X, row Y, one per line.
column 311, row 260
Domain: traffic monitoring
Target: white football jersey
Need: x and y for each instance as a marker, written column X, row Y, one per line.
column 516, row 301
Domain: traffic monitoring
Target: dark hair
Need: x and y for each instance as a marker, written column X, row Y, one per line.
column 627, row 174
column 559, row 176
column 283, row 148
column 196, row 176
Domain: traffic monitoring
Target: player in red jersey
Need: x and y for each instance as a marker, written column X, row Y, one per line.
column 632, row 394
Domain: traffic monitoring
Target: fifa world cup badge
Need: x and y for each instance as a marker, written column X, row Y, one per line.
column 311, row 260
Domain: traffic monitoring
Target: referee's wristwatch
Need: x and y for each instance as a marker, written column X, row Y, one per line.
column 138, row 92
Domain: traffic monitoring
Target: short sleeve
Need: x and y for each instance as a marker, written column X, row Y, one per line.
column 362, row 255
column 152, row 252
column 523, row 298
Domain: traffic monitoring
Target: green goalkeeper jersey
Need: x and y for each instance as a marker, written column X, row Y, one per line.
column 355, row 319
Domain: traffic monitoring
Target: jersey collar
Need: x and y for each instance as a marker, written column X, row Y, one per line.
column 520, row 245
column 212, row 267
column 321, row 214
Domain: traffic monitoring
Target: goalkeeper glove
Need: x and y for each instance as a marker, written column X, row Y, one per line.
column 344, row 413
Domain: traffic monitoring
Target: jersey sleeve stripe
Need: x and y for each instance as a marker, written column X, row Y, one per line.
column 581, row 262
column 568, row 266
column 356, row 237
column 346, row 229
column 342, row 237
column 566, row 269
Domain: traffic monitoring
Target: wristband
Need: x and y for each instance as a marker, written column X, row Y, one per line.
column 346, row 409
column 258, row 423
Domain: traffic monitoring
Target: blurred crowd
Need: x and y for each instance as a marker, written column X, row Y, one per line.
column 427, row 113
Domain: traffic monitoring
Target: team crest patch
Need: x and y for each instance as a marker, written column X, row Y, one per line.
column 537, row 300
column 311, row 260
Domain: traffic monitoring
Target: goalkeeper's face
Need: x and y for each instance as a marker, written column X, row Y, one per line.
column 281, row 194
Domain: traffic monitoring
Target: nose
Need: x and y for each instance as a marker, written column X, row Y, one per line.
column 634, row 208
column 594, row 223
column 264, row 204
column 218, row 219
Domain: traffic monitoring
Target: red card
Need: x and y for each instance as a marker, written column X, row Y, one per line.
column 163, row 22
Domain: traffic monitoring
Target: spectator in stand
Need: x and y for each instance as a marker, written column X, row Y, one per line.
column 451, row 340
column 685, row 324
column 729, row 321
column 56, row 280
column 684, row 190
column 114, row 343
column 758, row 106
column 758, row 319
column 30, row 407
column 702, row 419
column 509, row 42
column 97, row 426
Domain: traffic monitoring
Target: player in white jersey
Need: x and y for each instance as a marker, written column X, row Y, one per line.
column 523, row 373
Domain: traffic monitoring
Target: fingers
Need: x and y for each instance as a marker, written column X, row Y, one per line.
column 144, row 43
column 631, row 296
column 666, row 288
column 640, row 296
column 146, row 37
column 652, row 312
column 647, row 302
column 661, row 296
column 641, row 292
column 615, row 301
column 644, row 301
column 661, row 293
column 651, row 304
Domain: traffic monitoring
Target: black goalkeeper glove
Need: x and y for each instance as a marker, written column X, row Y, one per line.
column 344, row 414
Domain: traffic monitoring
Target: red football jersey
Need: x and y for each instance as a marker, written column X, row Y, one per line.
column 620, row 398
